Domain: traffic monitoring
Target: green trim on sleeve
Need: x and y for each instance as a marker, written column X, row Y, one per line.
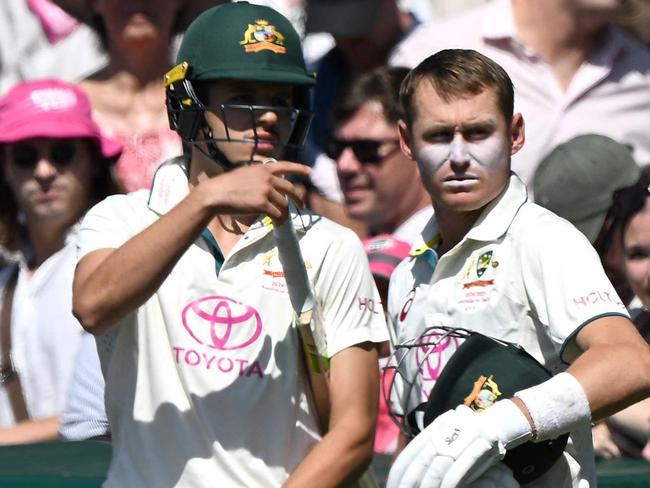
column 568, row 342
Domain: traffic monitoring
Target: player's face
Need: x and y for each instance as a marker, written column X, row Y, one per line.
column 636, row 248
column 252, row 120
column 50, row 178
column 379, row 182
column 462, row 147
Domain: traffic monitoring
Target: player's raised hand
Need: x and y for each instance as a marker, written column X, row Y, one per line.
column 255, row 189
column 459, row 446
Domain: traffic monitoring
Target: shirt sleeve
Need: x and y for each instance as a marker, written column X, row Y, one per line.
column 349, row 301
column 565, row 282
column 395, row 296
column 107, row 225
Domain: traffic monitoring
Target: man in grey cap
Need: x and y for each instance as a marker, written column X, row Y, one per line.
column 578, row 178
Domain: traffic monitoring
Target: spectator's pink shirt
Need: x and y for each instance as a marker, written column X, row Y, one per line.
column 609, row 94
column 143, row 152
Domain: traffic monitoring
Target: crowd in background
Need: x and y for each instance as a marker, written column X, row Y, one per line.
column 582, row 85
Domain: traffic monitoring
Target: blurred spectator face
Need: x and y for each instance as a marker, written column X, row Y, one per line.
column 51, row 179
column 614, row 266
column 375, row 175
column 138, row 20
column 636, row 249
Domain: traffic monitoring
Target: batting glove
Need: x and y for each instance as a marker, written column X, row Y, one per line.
column 498, row 476
column 459, row 446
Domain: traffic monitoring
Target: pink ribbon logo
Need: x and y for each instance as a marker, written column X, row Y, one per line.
column 222, row 323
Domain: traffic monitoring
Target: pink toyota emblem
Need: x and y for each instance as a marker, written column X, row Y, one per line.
column 222, row 323
column 430, row 358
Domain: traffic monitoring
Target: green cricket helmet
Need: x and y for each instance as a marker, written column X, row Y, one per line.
column 477, row 371
column 244, row 42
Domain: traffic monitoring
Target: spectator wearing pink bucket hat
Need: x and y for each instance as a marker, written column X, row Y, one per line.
column 54, row 164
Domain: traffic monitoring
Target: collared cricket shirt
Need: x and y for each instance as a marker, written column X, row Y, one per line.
column 204, row 382
column 521, row 274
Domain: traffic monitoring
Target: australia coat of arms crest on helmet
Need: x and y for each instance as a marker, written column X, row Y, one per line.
column 262, row 35
column 483, row 395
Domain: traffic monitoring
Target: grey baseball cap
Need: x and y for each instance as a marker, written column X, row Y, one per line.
column 578, row 178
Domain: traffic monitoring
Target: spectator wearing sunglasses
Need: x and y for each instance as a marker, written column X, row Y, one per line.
column 380, row 185
column 54, row 164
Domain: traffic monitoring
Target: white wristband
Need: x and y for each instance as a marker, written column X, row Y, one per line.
column 557, row 406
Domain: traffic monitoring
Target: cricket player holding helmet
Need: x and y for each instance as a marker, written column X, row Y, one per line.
column 492, row 262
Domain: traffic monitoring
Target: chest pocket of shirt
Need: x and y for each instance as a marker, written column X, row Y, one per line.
column 487, row 293
column 480, row 281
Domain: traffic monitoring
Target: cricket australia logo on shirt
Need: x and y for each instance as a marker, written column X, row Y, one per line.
column 272, row 273
column 477, row 281
column 224, row 327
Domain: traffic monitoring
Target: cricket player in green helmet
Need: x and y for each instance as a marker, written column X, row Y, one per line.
column 183, row 287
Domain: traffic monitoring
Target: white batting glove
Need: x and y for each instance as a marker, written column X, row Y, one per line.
column 498, row 476
column 459, row 446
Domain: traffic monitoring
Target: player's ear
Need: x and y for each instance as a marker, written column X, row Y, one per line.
column 517, row 133
column 405, row 141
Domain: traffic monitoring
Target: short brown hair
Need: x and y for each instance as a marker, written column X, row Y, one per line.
column 457, row 73
column 381, row 85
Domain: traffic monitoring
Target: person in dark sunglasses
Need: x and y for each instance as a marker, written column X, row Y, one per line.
column 54, row 164
column 380, row 185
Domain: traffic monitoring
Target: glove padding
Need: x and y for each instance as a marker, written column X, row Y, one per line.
column 498, row 476
column 459, row 446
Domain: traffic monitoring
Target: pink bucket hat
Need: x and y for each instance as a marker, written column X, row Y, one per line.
column 384, row 254
column 51, row 108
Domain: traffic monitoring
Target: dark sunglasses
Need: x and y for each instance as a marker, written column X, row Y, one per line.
column 26, row 156
column 365, row 150
column 625, row 203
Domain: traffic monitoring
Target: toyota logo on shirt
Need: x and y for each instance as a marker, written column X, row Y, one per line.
column 222, row 323
column 432, row 354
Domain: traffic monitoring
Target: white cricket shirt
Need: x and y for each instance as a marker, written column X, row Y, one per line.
column 204, row 382
column 521, row 274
